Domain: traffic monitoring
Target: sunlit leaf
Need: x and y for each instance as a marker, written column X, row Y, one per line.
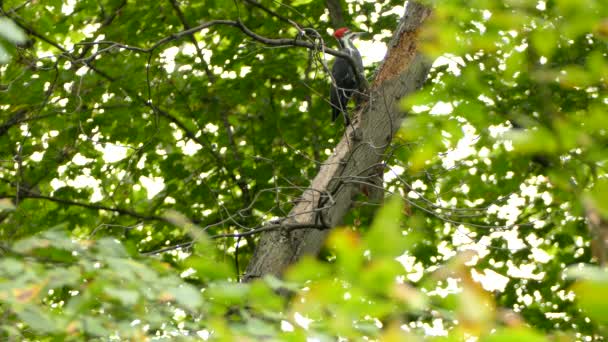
column 307, row 269
column 385, row 238
column 599, row 197
column 11, row 32
column 300, row 2
column 532, row 141
column 125, row 296
column 6, row 204
column 590, row 290
column 514, row 334
column 545, row 41
column 187, row 296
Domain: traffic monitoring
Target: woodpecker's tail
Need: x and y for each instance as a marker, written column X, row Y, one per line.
column 339, row 101
column 335, row 112
column 335, row 102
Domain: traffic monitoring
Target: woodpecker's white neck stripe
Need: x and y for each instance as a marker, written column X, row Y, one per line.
column 347, row 42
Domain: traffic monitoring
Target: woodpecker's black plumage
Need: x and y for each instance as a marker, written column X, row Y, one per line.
column 344, row 75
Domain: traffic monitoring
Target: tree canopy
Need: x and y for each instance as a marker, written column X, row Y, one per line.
column 146, row 149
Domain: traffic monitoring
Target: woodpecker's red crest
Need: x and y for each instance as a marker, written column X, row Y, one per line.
column 341, row 32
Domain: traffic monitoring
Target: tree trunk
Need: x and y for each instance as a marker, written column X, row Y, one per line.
column 598, row 227
column 357, row 156
column 335, row 13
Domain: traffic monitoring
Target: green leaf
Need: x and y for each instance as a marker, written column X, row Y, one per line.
column 515, row 334
column 385, row 238
column 227, row 293
column 53, row 243
column 301, row 2
column 38, row 320
column 209, row 269
column 532, row 141
column 5, row 56
column 587, row 272
column 5, row 203
column 187, row 296
column 264, row 298
column 61, row 277
column 11, row 266
column 380, row 277
column 131, row 270
column 545, row 41
column 347, row 246
column 598, row 196
column 575, row 76
column 308, row 268
column 111, row 247
column 94, row 326
column 422, row 155
column 258, row 327
column 591, row 292
column 125, row 296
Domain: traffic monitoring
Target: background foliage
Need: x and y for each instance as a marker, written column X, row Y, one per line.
column 106, row 135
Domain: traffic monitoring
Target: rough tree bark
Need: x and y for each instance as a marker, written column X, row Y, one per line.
column 335, row 13
column 357, row 156
column 598, row 227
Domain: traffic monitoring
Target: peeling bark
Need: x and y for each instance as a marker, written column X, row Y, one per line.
column 357, row 156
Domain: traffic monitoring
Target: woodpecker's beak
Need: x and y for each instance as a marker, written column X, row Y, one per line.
column 357, row 35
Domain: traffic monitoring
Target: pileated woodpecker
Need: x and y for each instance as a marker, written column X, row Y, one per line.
column 344, row 76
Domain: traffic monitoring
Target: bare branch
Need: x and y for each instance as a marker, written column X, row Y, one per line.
column 277, row 42
column 272, row 13
column 199, row 53
column 121, row 211
column 254, row 231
